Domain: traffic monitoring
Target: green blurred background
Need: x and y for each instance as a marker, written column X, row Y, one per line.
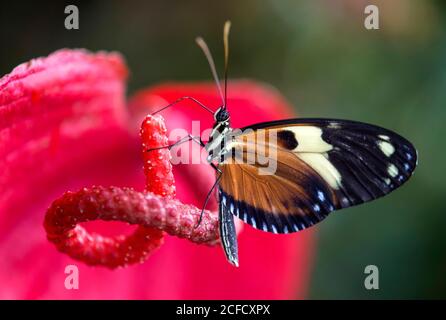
column 323, row 60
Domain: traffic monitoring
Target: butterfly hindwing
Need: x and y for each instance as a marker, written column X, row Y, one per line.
column 321, row 165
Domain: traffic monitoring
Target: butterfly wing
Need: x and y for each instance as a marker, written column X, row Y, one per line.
column 285, row 176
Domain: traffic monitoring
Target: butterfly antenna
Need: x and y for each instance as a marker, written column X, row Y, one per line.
column 204, row 47
column 226, row 30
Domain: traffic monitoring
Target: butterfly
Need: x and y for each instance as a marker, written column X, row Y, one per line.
column 285, row 176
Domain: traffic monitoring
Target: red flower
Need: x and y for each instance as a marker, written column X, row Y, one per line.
column 63, row 126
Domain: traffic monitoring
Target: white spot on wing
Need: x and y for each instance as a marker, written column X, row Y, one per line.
column 392, row 170
column 264, row 227
column 253, row 222
column 387, row 148
column 323, row 167
column 273, row 227
column 309, row 139
column 334, row 125
column 384, row 137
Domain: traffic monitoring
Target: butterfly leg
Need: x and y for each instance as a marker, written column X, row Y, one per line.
column 208, row 197
column 184, row 139
column 181, row 99
column 228, row 234
column 201, row 143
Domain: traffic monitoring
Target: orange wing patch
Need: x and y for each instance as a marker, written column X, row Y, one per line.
column 293, row 198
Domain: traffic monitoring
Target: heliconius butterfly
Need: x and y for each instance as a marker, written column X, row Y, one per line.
column 322, row 165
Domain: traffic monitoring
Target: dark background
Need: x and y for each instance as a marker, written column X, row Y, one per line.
column 323, row 60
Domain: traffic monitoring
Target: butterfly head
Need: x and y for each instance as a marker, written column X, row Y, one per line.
column 222, row 115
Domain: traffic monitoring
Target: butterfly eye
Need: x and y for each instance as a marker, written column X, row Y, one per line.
column 221, row 115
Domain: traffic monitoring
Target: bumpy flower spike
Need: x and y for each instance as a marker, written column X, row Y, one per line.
column 155, row 211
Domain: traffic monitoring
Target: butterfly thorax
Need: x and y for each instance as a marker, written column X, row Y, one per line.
column 216, row 145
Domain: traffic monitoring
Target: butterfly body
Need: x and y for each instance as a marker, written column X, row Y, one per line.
column 217, row 146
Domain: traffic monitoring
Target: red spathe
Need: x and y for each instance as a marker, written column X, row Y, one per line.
column 64, row 124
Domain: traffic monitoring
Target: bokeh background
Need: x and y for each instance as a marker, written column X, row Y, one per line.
column 321, row 58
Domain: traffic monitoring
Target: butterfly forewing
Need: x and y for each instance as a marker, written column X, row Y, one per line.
column 320, row 165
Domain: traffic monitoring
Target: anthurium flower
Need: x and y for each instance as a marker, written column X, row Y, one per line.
column 64, row 126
